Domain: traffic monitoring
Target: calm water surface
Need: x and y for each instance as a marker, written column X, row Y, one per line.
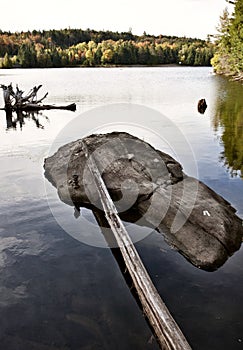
column 59, row 293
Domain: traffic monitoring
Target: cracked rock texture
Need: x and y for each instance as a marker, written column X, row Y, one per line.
column 149, row 184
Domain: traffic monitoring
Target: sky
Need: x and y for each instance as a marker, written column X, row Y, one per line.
column 191, row 18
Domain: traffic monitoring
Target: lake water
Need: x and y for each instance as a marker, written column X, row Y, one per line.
column 59, row 292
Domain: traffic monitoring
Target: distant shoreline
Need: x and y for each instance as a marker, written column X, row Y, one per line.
column 65, row 48
column 172, row 65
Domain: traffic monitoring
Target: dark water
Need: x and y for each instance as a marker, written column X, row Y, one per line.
column 59, row 293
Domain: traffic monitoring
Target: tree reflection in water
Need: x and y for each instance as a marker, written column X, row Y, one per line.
column 229, row 117
column 19, row 118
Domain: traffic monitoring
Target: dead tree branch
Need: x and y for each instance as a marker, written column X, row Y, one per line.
column 16, row 100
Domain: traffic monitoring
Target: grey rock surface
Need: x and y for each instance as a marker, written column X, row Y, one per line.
column 195, row 220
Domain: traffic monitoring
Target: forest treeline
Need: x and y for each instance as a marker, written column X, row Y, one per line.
column 228, row 58
column 76, row 47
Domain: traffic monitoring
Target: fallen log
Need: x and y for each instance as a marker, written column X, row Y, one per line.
column 36, row 107
column 167, row 331
column 238, row 77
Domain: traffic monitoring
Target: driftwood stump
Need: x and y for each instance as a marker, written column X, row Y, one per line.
column 15, row 100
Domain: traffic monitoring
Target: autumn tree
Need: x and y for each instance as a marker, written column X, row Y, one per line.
column 75, row 47
column 6, row 62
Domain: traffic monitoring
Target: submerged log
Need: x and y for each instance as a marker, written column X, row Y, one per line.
column 195, row 220
column 168, row 333
column 34, row 107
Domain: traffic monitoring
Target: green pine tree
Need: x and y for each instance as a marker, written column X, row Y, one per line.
column 228, row 59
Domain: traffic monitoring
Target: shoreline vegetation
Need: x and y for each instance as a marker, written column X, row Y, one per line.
column 228, row 57
column 90, row 48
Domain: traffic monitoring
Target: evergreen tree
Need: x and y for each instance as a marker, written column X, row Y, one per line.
column 27, row 55
column 228, row 58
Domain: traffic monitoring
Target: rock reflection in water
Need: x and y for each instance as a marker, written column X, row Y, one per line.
column 195, row 220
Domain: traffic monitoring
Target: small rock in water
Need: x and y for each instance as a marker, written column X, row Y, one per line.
column 202, row 106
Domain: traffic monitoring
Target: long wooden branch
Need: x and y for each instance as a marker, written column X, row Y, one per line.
column 168, row 333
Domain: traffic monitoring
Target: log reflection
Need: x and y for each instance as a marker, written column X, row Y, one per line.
column 21, row 118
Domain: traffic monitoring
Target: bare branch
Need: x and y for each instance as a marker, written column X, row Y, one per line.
column 14, row 100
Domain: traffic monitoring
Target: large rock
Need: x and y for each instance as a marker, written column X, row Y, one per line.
column 151, row 186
